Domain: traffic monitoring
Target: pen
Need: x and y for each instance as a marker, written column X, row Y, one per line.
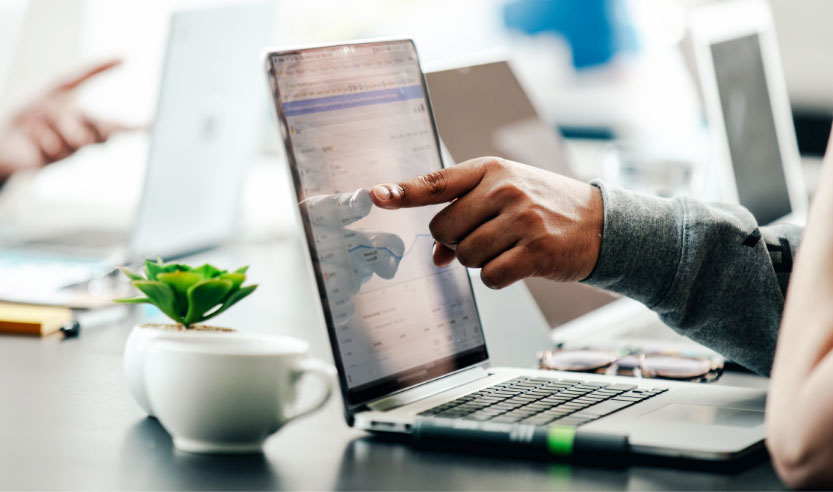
column 555, row 441
column 92, row 318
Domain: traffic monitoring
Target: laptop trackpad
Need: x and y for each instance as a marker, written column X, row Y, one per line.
column 706, row 415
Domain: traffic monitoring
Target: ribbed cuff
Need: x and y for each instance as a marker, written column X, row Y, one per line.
column 642, row 242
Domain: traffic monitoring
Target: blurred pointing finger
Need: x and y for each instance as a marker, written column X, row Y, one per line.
column 74, row 82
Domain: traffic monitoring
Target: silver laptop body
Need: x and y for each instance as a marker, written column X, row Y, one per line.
column 407, row 336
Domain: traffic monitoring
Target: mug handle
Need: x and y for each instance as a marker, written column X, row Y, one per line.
column 325, row 373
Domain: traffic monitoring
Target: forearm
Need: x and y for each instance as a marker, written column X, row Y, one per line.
column 800, row 407
column 708, row 270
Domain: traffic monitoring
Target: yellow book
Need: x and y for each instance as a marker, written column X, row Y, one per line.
column 31, row 319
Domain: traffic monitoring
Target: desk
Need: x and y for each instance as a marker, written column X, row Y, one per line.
column 67, row 421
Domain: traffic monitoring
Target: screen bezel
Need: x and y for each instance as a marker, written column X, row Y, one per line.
column 713, row 24
column 356, row 398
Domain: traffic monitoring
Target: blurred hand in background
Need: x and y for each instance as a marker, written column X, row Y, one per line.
column 52, row 127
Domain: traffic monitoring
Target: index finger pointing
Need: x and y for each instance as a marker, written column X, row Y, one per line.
column 74, row 82
column 429, row 189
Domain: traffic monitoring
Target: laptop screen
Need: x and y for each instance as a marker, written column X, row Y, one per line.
column 750, row 128
column 354, row 116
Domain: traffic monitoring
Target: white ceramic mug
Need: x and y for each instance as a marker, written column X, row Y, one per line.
column 228, row 393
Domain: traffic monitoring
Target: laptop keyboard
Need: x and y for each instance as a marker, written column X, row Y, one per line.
column 543, row 401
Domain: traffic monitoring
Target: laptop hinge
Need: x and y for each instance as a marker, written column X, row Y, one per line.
column 429, row 389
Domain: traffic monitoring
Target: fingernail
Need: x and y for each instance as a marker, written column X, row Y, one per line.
column 382, row 192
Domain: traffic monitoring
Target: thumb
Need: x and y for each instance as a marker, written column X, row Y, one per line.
column 429, row 189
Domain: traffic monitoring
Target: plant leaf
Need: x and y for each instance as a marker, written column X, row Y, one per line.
column 232, row 299
column 242, row 270
column 153, row 269
column 134, row 300
column 236, row 279
column 180, row 282
column 161, row 296
column 207, row 271
column 130, row 274
column 203, row 296
column 175, row 267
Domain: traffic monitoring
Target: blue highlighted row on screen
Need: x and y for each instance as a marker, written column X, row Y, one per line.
column 346, row 101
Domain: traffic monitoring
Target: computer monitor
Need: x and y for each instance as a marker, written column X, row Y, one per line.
column 748, row 108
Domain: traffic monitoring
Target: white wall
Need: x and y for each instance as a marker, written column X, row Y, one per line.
column 805, row 33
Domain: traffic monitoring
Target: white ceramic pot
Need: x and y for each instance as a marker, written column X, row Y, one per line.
column 134, row 354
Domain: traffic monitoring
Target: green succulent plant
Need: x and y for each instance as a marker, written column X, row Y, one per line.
column 185, row 294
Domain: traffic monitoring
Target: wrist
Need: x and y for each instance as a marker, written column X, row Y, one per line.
column 640, row 244
column 593, row 227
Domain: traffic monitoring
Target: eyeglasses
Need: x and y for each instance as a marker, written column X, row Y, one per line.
column 640, row 364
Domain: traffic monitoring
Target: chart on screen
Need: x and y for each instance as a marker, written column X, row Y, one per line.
column 358, row 118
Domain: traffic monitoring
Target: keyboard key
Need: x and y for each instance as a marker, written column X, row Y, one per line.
column 628, row 398
column 585, row 399
column 553, row 414
column 505, row 394
column 595, row 398
column 597, row 385
column 545, row 380
column 635, row 394
column 567, row 422
column 607, row 407
column 607, row 393
column 490, row 401
column 623, row 387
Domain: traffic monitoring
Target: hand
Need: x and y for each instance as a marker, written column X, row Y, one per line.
column 52, row 127
column 513, row 221
column 348, row 258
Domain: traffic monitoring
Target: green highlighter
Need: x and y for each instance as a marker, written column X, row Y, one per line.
column 554, row 442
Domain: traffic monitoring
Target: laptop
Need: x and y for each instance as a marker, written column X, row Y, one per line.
column 204, row 134
column 748, row 109
column 407, row 336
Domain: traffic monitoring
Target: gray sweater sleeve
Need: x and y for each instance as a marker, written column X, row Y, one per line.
column 708, row 270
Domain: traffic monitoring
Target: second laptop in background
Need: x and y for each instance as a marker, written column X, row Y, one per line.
column 204, row 135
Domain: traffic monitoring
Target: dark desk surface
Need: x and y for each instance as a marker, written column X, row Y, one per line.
column 67, row 421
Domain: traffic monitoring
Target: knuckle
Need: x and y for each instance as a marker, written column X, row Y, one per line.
column 433, row 183
column 531, row 218
column 493, row 277
column 493, row 164
column 466, row 254
column 489, row 278
column 507, row 192
column 406, row 192
column 476, row 249
column 438, row 230
column 537, row 247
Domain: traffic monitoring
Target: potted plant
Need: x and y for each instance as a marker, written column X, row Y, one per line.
column 189, row 297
